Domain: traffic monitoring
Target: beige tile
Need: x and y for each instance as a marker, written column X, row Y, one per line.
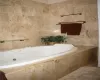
column 85, row 73
column 54, row 68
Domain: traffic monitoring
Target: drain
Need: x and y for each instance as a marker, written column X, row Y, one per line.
column 14, row 59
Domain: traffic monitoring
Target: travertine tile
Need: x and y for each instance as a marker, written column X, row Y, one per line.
column 85, row 73
column 86, row 7
column 44, row 71
column 54, row 68
column 24, row 17
column 62, row 67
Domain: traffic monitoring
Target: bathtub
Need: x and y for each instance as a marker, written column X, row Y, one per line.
column 29, row 55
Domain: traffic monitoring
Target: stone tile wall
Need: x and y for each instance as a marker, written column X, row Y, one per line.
column 27, row 19
column 88, row 8
column 20, row 19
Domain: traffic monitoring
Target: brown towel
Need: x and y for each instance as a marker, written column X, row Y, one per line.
column 2, row 76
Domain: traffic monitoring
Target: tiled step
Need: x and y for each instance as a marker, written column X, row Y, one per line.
column 84, row 73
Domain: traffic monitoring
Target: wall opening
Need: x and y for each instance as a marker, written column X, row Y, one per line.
column 71, row 28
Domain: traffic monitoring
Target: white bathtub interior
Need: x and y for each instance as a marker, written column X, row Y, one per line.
column 32, row 54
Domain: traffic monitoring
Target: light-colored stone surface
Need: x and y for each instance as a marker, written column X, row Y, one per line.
column 88, row 8
column 49, row 1
column 54, row 68
column 55, row 1
column 42, row 1
column 20, row 19
column 29, row 19
column 84, row 73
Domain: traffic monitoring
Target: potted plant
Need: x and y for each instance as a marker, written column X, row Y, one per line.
column 60, row 39
column 53, row 39
column 44, row 40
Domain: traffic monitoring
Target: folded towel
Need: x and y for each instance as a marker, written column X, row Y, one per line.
column 2, row 76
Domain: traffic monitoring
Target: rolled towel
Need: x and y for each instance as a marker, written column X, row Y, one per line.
column 2, row 76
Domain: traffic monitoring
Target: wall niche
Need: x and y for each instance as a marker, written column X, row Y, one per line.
column 71, row 28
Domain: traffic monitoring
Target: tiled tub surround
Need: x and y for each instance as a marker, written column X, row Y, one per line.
column 24, row 56
column 54, row 68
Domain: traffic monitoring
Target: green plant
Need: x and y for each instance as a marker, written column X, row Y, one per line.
column 60, row 39
column 44, row 40
column 51, row 38
column 55, row 39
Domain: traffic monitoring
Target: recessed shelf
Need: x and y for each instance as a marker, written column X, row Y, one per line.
column 71, row 28
column 3, row 41
column 78, row 22
column 71, row 14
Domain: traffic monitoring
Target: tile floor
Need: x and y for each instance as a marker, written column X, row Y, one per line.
column 84, row 73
